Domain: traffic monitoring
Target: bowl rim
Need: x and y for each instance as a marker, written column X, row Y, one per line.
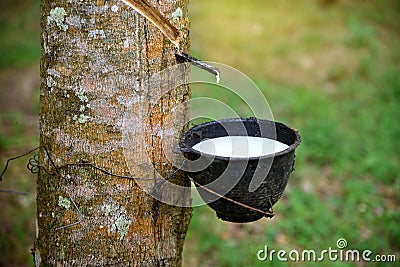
column 184, row 148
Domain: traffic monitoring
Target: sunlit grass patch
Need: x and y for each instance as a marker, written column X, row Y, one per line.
column 331, row 71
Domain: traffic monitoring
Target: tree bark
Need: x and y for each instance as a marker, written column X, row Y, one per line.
column 95, row 56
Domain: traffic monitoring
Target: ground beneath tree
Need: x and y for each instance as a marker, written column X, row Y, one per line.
column 19, row 109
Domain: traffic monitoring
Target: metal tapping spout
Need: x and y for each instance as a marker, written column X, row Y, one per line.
column 172, row 33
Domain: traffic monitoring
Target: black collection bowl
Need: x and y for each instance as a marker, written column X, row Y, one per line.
column 249, row 186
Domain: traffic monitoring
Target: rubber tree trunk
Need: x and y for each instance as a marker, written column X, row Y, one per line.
column 94, row 56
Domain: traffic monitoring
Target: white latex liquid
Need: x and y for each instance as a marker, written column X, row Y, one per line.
column 240, row 146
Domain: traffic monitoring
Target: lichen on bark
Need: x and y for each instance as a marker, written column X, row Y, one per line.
column 94, row 56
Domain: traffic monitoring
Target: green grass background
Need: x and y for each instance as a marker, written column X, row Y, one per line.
column 331, row 69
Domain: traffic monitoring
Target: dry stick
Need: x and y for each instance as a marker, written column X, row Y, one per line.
column 13, row 192
column 155, row 17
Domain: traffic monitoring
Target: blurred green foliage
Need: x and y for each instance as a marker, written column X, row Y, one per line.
column 19, row 31
column 332, row 70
